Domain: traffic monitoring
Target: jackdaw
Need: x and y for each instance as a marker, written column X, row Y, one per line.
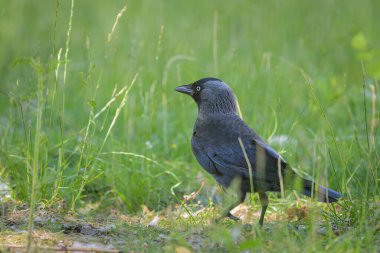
column 227, row 148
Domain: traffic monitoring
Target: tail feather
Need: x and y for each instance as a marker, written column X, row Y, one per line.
column 321, row 193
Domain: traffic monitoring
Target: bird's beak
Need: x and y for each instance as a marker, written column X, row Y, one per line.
column 185, row 89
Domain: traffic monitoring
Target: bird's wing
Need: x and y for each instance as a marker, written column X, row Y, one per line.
column 271, row 154
column 229, row 160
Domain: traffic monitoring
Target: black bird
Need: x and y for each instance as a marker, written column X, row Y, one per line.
column 227, row 148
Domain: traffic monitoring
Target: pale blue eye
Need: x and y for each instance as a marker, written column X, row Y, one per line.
column 198, row 88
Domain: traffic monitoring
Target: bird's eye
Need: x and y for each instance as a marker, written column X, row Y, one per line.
column 198, row 88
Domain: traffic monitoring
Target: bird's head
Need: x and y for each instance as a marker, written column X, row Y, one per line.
column 212, row 95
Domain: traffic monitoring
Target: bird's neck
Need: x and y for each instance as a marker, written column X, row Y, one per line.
column 222, row 105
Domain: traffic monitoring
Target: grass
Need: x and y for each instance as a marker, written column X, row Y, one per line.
column 89, row 116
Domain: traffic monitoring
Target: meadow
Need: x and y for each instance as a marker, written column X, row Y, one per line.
column 93, row 134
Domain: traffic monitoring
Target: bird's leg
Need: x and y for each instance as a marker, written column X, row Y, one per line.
column 264, row 205
column 227, row 211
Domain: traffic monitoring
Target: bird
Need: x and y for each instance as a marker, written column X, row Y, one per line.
column 228, row 149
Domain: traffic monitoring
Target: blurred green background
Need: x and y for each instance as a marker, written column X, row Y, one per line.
column 267, row 51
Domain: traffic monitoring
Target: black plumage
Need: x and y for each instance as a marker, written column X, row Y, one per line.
column 227, row 148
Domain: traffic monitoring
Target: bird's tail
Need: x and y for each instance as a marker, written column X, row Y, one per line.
column 321, row 193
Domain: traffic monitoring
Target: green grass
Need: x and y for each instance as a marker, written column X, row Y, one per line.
column 88, row 111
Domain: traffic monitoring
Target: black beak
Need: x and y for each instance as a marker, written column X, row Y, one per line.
column 187, row 89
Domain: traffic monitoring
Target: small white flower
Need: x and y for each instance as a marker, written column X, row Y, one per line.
column 148, row 144
column 5, row 192
column 279, row 140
